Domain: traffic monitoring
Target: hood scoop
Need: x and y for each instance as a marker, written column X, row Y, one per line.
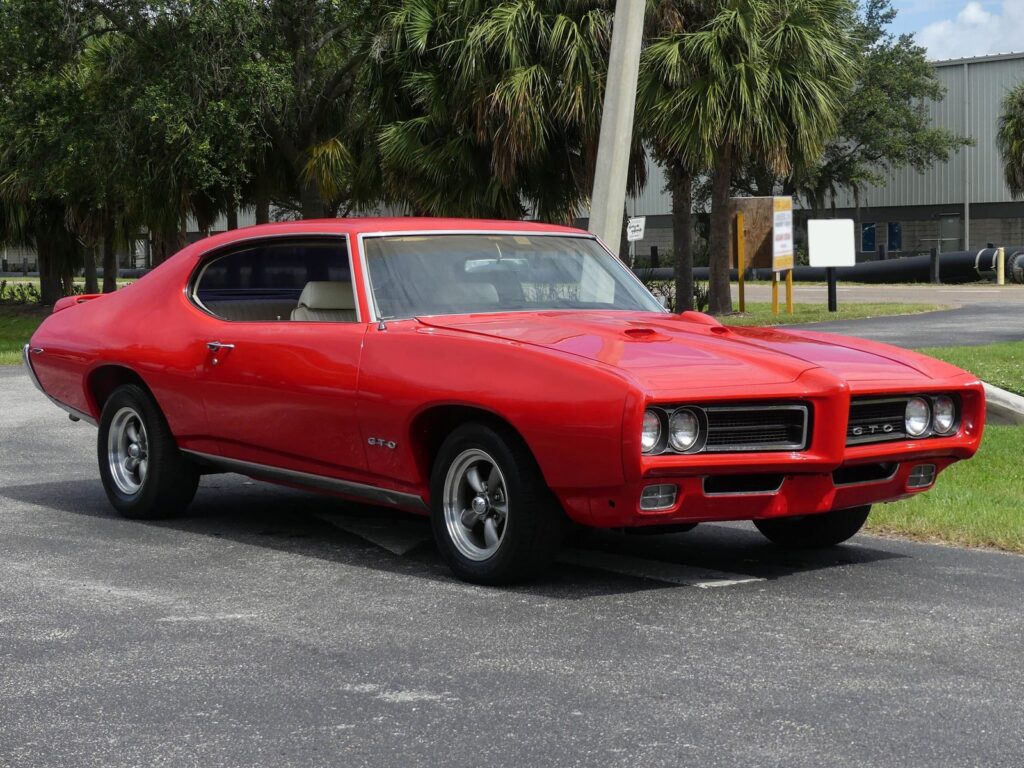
column 645, row 334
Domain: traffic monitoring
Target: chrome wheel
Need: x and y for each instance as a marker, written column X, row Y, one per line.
column 128, row 451
column 475, row 504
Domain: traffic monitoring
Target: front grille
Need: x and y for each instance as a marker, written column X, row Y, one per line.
column 756, row 428
column 876, row 420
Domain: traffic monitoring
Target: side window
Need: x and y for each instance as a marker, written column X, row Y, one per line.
column 279, row 280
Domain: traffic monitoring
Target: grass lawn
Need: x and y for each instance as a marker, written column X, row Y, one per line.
column 17, row 323
column 1001, row 365
column 975, row 503
column 78, row 280
column 760, row 313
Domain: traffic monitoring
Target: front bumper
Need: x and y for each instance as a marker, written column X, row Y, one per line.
column 808, row 482
column 796, row 494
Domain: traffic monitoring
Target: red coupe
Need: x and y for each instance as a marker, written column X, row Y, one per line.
column 505, row 378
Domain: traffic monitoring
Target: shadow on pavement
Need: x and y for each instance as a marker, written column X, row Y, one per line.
column 310, row 525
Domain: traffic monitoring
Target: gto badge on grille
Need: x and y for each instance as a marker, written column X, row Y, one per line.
column 380, row 442
column 872, row 429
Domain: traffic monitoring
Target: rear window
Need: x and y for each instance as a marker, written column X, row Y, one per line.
column 274, row 269
column 263, row 281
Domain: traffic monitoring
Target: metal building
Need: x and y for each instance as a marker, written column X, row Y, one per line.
column 962, row 203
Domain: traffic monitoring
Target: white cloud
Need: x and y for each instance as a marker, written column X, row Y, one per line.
column 977, row 31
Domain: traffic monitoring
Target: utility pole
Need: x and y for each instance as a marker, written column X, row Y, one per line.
column 609, row 196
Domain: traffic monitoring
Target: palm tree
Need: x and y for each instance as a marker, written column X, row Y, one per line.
column 492, row 109
column 1010, row 139
column 758, row 80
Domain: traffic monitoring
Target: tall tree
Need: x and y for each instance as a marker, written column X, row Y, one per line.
column 884, row 124
column 37, row 104
column 318, row 50
column 1010, row 139
column 492, row 110
column 659, row 79
column 759, row 81
column 184, row 88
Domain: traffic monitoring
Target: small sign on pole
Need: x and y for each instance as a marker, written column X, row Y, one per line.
column 764, row 240
column 782, row 242
column 830, row 244
column 635, row 228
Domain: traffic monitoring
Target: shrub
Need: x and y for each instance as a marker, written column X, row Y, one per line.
column 666, row 289
column 18, row 293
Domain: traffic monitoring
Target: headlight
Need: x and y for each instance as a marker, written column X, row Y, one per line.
column 918, row 416
column 944, row 414
column 683, row 430
column 650, row 435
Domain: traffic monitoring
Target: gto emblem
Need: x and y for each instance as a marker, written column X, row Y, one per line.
column 380, row 442
column 872, row 429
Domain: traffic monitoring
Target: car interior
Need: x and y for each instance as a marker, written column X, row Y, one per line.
column 306, row 280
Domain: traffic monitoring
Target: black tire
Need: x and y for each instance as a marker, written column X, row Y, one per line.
column 170, row 480
column 534, row 525
column 814, row 531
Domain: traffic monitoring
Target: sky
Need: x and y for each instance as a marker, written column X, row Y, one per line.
column 951, row 29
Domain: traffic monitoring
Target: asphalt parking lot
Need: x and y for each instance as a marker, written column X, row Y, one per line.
column 277, row 628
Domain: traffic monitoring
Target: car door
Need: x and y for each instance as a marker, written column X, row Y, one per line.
column 278, row 382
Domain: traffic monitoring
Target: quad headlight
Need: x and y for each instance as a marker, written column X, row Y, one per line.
column 943, row 415
column 650, row 433
column 683, row 430
column 918, row 416
column 679, row 430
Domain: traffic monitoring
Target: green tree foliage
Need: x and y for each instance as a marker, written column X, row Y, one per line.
column 659, row 78
column 760, row 81
column 121, row 115
column 492, row 109
column 182, row 90
column 884, row 124
column 37, row 103
column 1010, row 139
column 321, row 150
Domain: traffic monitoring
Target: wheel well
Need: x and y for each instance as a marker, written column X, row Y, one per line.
column 430, row 428
column 104, row 380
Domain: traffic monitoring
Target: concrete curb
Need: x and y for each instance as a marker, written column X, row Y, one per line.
column 1003, row 408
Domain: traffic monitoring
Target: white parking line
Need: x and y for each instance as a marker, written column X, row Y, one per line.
column 400, row 539
column 655, row 570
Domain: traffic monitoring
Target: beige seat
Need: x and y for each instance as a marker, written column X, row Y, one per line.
column 326, row 302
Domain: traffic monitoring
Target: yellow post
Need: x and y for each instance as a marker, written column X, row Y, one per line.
column 789, row 291
column 1000, row 267
column 741, row 259
column 775, row 293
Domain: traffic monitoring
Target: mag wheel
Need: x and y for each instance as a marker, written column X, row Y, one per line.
column 814, row 531
column 144, row 474
column 494, row 519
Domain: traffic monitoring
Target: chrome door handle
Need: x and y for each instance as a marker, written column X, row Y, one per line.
column 217, row 346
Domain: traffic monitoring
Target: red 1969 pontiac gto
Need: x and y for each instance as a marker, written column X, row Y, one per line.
column 504, row 378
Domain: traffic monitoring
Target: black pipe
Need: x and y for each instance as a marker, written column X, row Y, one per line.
column 955, row 266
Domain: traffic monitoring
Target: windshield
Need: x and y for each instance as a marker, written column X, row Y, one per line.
column 415, row 275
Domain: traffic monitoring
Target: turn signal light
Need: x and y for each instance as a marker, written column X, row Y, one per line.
column 658, row 497
column 921, row 476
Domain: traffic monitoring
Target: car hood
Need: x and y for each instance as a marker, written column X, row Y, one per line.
column 662, row 350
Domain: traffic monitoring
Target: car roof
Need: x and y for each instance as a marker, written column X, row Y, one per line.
column 371, row 225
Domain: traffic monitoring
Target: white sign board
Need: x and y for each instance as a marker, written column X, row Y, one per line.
column 635, row 228
column 830, row 243
column 782, row 237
